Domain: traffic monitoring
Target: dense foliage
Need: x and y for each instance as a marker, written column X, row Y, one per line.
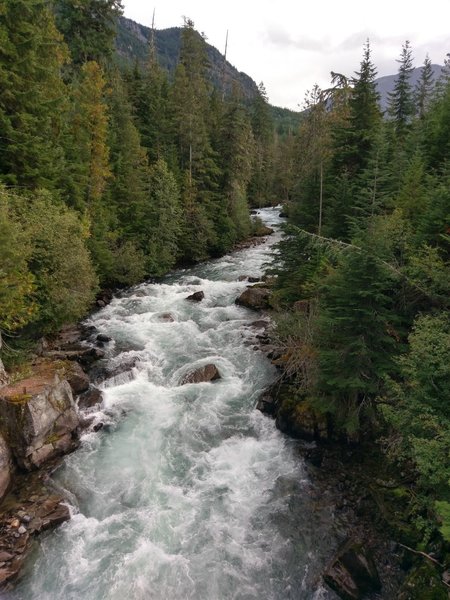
column 112, row 174
column 365, row 268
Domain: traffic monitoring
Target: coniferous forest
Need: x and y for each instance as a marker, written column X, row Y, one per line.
column 111, row 174
column 363, row 282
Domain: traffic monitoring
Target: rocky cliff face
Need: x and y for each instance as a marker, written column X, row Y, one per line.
column 38, row 417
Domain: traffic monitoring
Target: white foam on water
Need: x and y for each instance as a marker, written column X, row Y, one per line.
column 183, row 495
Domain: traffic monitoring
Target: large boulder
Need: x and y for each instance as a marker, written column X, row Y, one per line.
column 206, row 373
column 255, row 298
column 90, row 398
column 38, row 417
column 352, row 573
column 5, row 467
column 77, row 378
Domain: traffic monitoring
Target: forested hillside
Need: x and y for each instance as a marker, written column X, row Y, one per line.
column 111, row 174
column 364, row 276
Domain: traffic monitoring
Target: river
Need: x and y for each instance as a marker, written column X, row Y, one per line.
column 188, row 492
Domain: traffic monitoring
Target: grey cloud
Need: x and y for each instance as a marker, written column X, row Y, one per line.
column 282, row 38
column 358, row 39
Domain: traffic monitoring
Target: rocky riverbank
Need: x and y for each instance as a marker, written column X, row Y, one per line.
column 41, row 421
column 377, row 557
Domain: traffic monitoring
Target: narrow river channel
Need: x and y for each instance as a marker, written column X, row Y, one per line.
column 188, row 492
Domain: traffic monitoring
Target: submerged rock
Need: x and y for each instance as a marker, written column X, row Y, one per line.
column 255, row 298
column 352, row 573
column 203, row 374
column 196, row 296
column 167, row 318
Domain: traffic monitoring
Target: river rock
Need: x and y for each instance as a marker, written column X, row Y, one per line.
column 102, row 338
column 249, row 278
column 266, row 404
column 90, row 398
column 203, row 374
column 77, row 378
column 167, row 318
column 352, row 573
column 38, row 417
column 196, row 296
column 85, row 356
column 5, row 467
column 255, row 298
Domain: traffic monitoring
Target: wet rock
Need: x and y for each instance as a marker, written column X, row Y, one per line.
column 85, row 356
column 77, row 378
column 104, row 339
column 98, row 426
column 260, row 324
column 104, row 298
column 196, row 296
column 255, row 298
column 249, row 278
column 203, row 374
column 266, row 404
column 6, row 467
column 90, row 398
column 38, row 417
column 167, row 318
column 352, row 573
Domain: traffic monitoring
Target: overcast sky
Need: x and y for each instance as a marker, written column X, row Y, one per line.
column 292, row 44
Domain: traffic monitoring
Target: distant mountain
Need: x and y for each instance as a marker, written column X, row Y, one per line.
column 386, row 84
column 132, row 44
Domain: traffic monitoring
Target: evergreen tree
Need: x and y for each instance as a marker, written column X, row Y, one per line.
column 164, row 220
column 32, row 99
column 401, row 100
column 149, row 95
column 237, row 155
column 356, row 347
column 88, row 148
column 17, row 305
column 129, row 166
column 424, row 88
column 88, row 27
column 260, row 190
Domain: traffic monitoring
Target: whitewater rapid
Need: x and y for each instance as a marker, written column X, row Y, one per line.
column 187, row 492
